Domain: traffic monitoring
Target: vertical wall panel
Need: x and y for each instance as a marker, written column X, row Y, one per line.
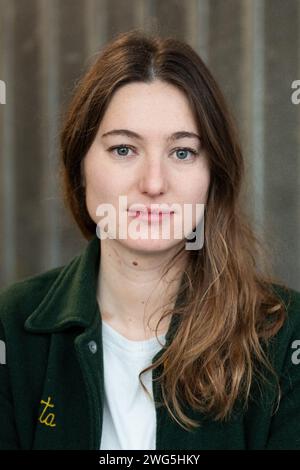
column 96, row 24
column 121, row 16
column 225, row 55
column 72, row 62
column 281, row 154
column 254, row 118
column 48, row 12
column 8, row 224
column 172, row 17
column 28, row 143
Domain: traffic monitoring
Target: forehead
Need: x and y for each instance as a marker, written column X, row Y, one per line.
column 156, row 105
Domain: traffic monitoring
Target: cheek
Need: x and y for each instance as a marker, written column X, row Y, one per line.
column 96, row 175
column 198, row 187
column 103, row 186
column 96, row 186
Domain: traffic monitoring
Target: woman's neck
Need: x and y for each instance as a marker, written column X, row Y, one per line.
column 130, row 289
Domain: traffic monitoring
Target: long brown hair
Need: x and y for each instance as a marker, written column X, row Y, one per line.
column 230, row 307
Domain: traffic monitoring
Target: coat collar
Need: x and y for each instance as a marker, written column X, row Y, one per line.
column 71, row 299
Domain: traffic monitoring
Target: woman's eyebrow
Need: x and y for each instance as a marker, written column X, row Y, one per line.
column 175, row 136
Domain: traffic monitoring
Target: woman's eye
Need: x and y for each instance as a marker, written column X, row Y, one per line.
column 182, row 153
column 120, row 147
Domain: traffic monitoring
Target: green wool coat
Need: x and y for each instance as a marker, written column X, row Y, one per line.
column 51, row 372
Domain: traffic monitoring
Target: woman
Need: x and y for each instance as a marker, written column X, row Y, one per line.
column 149, row 342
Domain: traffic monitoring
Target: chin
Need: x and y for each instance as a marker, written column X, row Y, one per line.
column 149, row 246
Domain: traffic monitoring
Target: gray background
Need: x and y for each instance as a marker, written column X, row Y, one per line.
column 252, row 48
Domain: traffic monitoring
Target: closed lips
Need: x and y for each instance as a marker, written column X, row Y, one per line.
column 150, row 211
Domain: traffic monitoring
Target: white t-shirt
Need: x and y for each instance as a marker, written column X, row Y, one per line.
column 129, row 417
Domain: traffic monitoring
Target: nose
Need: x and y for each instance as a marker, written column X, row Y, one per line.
column 153, row 178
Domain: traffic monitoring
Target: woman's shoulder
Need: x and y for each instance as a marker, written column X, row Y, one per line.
column 22, row 296
column 286, row 343
column 291, row 300
column 50, row 292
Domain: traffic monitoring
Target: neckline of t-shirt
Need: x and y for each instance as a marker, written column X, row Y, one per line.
column 114, row 337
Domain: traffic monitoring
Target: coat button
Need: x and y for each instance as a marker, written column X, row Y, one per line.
column 92, row 347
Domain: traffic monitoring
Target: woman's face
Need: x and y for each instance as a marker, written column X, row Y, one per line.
column 149, row 168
